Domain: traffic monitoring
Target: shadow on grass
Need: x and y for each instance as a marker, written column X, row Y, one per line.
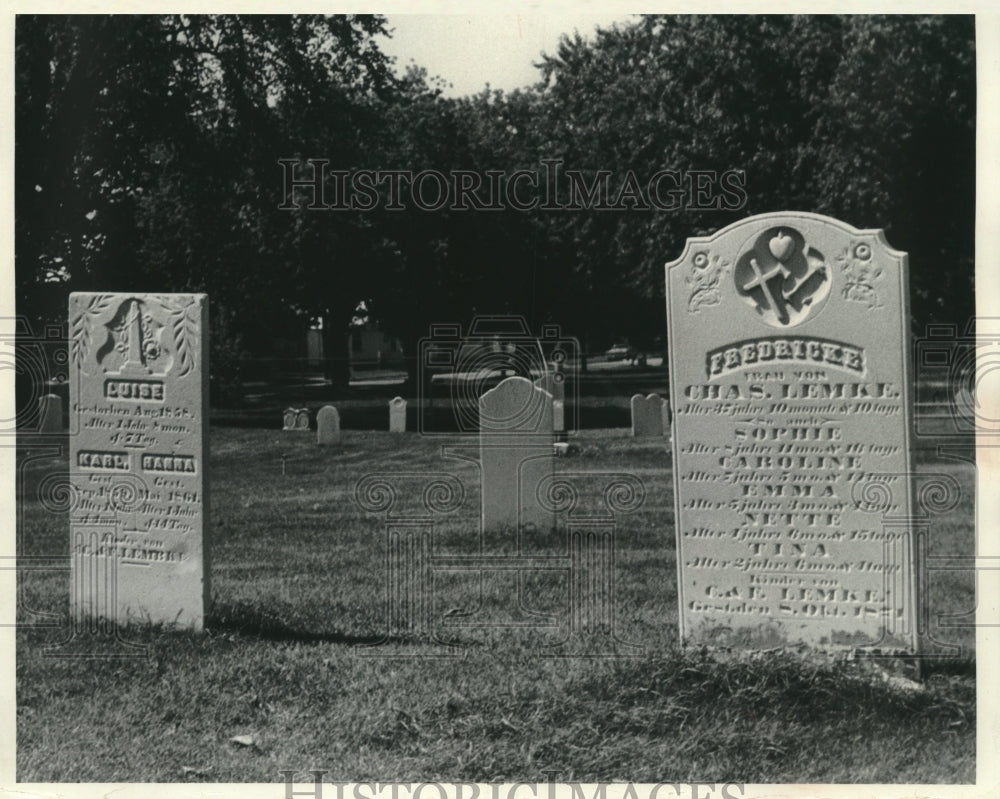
column 246, row 620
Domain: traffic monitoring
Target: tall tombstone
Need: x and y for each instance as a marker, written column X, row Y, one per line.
column 139, row 459
column 50, row 413
column 397, row 415
column 516, row 454
column 328, row 426
column 649, row 416
column 788, row 345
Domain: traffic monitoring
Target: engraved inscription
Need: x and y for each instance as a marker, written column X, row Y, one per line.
column 142, row 390
column 103, row 461
column 769, row 351
column 168, row 463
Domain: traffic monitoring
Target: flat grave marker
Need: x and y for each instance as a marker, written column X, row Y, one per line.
column 788, row 344
column 139, row 461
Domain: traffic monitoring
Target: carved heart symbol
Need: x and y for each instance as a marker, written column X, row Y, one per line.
column 781, row 246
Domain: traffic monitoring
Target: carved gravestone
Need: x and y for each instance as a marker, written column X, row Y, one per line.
column 397, row 415
column 789, row 383
column 139, row 461
column 516, row 454
column 295, row 419
column 649, row 416
column 328, row 425
column 50, row 413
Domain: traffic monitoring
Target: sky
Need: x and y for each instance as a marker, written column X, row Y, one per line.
column 498, row 49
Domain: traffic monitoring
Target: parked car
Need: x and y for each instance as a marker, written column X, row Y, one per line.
column 620, row 352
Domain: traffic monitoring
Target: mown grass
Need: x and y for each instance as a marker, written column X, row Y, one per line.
column 289, row 656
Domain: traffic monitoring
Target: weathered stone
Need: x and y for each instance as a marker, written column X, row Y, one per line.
column 650, row 416
column 139, row 458
column 328, row 426
column 516, row 455
column 397, row 415
column 788, row 340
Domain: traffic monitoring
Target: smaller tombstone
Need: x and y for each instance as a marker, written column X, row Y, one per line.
column 650, row 416
column 516, row 454
column 296, row 419
column 555, row 384
column 50, row 414
column 397, row 415
column 327, row 426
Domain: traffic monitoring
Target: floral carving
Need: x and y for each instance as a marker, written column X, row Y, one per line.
column 861, row 272
column 703, row 280
column 81, row 328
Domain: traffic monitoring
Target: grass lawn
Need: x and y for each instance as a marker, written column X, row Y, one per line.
column 291, row 655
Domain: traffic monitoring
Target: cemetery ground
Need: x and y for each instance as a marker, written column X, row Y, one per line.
column 290, row 655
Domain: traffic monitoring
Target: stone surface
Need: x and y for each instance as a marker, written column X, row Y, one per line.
column 295, row 419
column 516, row 455
column 558, row 416
column 649, row 416
column 789, row 383
column 50, row 410
column 328, row 426
column 554, row 382
column 397, row 415
column 138, row 461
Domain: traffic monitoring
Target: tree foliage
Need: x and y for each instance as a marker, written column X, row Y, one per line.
column 147, row 153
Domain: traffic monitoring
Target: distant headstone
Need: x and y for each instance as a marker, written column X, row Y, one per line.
column 649, row 416
column 516, row 454
column 397, row 415
column 558, row 416
column 295, row 419
column 788, row 347
column 139, row 461
column 555, row 384
column 50, row 413
column 328, row 425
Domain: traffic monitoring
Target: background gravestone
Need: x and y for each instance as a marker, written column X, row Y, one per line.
column 50, row 413
column 516, row 454
column 555, row 384
column 397, row 415
column 649, row 416
column 328, row 425
column 288, row 418
column 302, row 419
column 789, row 382
column 138, row 463
column 558, row 416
